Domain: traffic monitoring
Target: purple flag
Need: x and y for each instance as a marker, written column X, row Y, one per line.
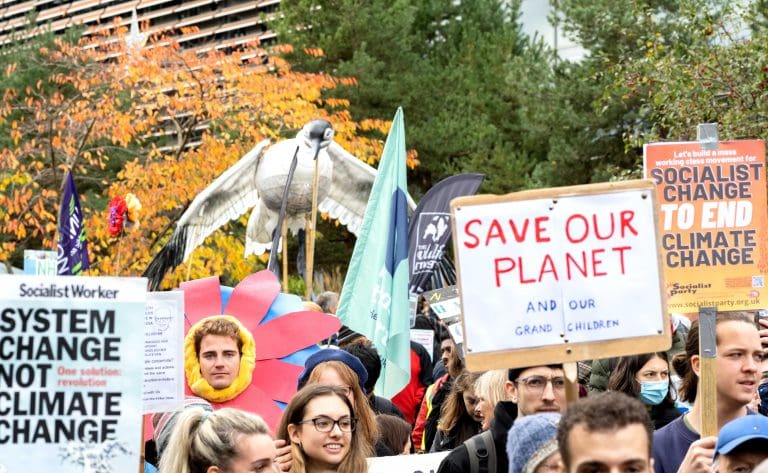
column 430, row 226
column 72, row 249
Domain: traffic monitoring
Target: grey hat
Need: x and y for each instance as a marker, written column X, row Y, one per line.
column 531, row 440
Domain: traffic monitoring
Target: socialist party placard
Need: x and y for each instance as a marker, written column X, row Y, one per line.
column 71, row 369
column 712, row 213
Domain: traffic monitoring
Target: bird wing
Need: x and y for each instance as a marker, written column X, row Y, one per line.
column 350, row 189
column 225, row 199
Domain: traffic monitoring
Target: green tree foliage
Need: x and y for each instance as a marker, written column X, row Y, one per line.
column 443, row 61
column 719, row 74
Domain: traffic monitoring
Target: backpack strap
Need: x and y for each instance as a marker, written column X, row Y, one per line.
column 482, row 453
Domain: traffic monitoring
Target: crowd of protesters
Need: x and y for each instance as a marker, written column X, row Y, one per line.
column 642, row 413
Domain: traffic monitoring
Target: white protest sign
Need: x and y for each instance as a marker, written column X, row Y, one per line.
column 425, row 338
column 71, row 368
column 427, row 463
column 164, row 352
column 560, row 268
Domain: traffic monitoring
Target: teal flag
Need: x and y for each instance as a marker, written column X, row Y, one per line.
column 374, row 299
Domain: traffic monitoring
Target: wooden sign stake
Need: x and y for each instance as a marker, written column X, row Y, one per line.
column 708, row 374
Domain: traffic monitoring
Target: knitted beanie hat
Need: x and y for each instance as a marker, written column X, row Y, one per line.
column 333, row 354
column 531, row 440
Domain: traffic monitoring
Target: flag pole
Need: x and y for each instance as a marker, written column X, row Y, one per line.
column 310, row 243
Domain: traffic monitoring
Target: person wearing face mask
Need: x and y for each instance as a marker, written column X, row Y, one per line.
column 646, row 377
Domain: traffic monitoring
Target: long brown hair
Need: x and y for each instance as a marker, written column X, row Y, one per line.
column 453, row 413
column 689, row 380
column 366, row 419
column 354, row 461
column 624, row 377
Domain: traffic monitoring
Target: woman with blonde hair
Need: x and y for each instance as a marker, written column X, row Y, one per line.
column 339, row 368
column 320, row 426
column 223, row 441
column 489, row 390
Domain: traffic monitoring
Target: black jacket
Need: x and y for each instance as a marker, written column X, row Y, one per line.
column 382, row 405
column 504, row 416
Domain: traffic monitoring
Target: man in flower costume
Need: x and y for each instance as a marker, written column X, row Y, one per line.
column 245, row 349
column 221, row 345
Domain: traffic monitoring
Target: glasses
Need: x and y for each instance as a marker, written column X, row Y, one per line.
column 325, row 424
column 537, row 383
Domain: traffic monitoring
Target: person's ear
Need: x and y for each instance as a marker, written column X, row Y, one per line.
column 213, row 469
column 696, row 364
column 511, row 391
column 294, row 434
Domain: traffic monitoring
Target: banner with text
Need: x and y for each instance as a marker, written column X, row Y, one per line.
column 714, row 221
column 559, row 268
column 164, row 352
column 71, row 368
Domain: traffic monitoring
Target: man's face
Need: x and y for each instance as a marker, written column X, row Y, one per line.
column 739, row 358
column 446, row 348
column 741, row 461
column 219, row 360
column 538, row 389
column 625, row 450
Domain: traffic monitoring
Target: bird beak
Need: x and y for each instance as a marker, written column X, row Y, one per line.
column 318, row 132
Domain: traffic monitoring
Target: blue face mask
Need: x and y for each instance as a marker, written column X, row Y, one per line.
column 653, row 392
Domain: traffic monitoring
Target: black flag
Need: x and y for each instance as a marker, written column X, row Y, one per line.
column 430, row 226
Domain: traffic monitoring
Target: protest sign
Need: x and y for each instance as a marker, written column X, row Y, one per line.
column 425, row 338
column 559, row 275
column 71, row 368
column 444, row 302
column 40, row 262
column 713, row 217
column 163, row 352
column 406, row 463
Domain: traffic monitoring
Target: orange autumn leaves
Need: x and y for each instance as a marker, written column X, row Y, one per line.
column 160, row 123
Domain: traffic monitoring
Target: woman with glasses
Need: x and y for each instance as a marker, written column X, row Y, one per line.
column 320, row 426
column 339, row 368
column 646, row 377
column 458, row 419
column 223, row 441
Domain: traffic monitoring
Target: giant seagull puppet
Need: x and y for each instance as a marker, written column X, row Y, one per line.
column 258, row 180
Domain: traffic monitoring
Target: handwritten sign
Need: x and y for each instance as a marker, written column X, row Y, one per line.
column 713, row 221
column 557, row 270
column 164, row 352
column 71, row 368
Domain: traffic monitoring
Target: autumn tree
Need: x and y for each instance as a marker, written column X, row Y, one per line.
column 183, row 118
